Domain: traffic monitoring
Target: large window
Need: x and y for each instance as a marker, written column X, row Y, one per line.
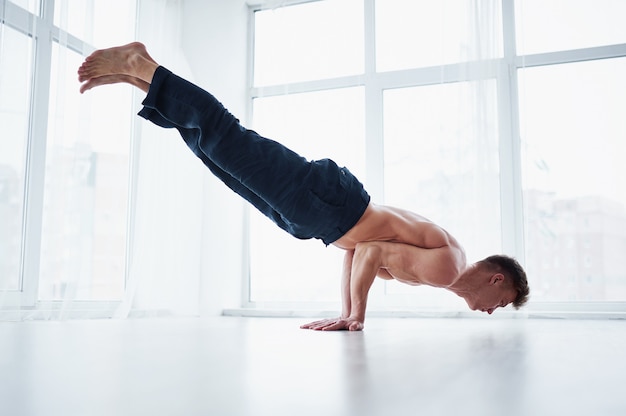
column 15, row 89
column 500, row 120
column 573, row 132
column 311, row 41
column 443, row 168
column 64, row 159
column 559, row 25
column 416, row 34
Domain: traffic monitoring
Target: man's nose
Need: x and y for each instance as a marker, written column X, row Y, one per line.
column 490, row 311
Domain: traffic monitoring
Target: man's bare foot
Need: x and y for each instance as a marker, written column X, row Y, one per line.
column 132, row 59
column 114, row 79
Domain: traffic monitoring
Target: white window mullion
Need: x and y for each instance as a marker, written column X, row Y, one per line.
column 571, row 56
column 373, row 109
column 36, row 159
column 245, row 290
column 374, row 140
column 16, row 18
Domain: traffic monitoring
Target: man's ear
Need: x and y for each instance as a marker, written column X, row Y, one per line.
column 496, row 278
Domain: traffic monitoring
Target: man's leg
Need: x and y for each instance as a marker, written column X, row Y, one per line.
column 133, row 65
column 267, row 174
column 260, row 170
column 305, row 199
column 189, row 136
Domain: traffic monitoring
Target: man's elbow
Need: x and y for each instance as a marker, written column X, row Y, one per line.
column 369, row 251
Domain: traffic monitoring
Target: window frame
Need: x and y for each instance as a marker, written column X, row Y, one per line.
column 375, row 83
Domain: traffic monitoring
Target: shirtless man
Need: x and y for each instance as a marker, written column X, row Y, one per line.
column 311, row 199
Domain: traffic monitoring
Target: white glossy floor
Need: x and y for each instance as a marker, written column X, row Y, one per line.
column 267, row 366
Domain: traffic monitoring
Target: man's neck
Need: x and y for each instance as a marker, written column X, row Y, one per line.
column 465, row 285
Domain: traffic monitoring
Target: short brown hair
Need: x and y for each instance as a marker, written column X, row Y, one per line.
column 513, row 271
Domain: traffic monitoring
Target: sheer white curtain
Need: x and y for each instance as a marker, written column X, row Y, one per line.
column 167, row 216
column 480, row 139
column 441, row 136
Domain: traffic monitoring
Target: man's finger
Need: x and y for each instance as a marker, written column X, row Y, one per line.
column 341, row 324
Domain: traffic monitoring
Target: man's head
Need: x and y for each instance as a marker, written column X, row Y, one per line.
column 501, row 281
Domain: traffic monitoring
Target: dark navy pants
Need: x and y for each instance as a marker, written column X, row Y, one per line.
column 308, row 199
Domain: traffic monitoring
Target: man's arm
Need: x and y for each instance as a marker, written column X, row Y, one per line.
column 365, row 265
column 359, row 271
column 346, row 299
column 406, row 263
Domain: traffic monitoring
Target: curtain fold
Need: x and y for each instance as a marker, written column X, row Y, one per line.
column 483, row 57
column 164, row 274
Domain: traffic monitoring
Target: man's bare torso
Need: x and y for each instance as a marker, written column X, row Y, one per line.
column 387, row 224
column 390, row 224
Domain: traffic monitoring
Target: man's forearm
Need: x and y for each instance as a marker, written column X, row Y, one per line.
column 365, row 265
column 346, row 301
column 359, row 271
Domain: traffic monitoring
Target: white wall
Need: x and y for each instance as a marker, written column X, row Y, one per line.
column 214, row 42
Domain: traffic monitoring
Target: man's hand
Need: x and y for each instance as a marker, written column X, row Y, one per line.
column 336, row 324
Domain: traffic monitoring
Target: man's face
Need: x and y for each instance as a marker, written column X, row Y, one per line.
column 496, row 294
